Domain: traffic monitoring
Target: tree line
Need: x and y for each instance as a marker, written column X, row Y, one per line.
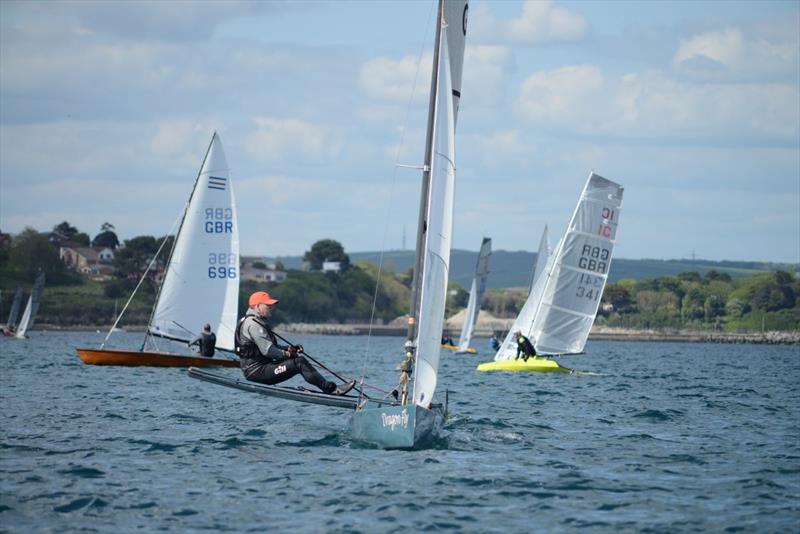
column 688, row 300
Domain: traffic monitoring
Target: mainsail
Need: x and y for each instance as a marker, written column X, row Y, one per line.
column 562, row 306
column 201, row 284
column 476, row 294
column 12, row 317
column 455, row 13
column 29, row 315
column 438, row 235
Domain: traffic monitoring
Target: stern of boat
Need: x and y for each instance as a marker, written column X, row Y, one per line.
column 396, row 427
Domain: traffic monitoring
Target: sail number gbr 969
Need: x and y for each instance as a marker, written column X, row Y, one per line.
column 222, row 265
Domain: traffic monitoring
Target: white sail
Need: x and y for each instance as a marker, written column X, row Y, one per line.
column 29, row 315
column 562, row 306
column 456, row 13
column 201, row 284
column 15, row 304
column 542, row 255
column 476, row 294
column 438, row 236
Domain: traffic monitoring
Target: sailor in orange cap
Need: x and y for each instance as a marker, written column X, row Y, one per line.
column 264, row 360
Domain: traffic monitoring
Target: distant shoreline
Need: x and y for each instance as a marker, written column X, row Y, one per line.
column 598, row 333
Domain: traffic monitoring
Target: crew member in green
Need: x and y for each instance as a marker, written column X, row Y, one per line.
column 524, row 346
column 264, row 360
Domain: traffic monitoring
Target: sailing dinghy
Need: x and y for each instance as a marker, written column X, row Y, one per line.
column 201, row 284
column 410, row 419
column 416, row 419
column 31, row 308
column 11, row 325
column 475, row 298
column 561, row 307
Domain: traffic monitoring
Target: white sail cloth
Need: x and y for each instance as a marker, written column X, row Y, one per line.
column 202, row 279
column 29, row 315
column 542, row 255
column 437, row 237
column 476, row 294
column 572, row 285
column 455, row 13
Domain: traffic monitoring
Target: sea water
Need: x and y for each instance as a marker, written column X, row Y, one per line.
column 661, row 437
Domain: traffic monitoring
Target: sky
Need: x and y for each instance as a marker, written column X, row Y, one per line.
column 107, row 108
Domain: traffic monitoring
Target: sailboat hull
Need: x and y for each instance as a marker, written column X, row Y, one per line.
column 454, row 348
column 397, row 427
column 134, row 358
column 537, row 365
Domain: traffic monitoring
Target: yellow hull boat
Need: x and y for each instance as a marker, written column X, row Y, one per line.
column 538, row 365
column 454, row 348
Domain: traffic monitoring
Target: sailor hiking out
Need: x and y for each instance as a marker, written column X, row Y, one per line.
column 264, row 360
column 524, row 346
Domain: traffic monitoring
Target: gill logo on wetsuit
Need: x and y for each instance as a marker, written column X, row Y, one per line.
column 280, row 369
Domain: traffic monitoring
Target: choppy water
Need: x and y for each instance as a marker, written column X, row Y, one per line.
column 667, row 438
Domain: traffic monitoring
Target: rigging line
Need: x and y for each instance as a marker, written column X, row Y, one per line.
column 424, row 41
column 133, row 293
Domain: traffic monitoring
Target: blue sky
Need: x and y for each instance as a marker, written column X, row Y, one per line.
column 106, row 109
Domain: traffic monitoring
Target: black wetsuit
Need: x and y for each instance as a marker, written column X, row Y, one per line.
column 207, row 343
column 276, row 366
column 524, row 347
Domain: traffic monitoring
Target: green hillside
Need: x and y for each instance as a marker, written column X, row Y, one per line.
column 513, row 268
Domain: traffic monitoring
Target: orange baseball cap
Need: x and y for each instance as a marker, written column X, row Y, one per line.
column 261, row 297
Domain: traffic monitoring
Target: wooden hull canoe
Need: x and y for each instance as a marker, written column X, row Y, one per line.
column 134, row 358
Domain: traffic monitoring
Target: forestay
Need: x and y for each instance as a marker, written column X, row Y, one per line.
column 437, row 236
column 202, row 280
column 476, row 294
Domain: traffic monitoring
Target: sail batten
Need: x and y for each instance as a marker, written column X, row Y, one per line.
column 201, row 284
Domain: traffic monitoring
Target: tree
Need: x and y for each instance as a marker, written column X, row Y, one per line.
column 106, row 237
column 66, row 229
column 326, row 250
column 32, row 253
column 618, row 296
column 135, row 256
column 691, row 276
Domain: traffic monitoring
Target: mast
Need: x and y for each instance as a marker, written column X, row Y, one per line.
column 426, row 182
column 422, row 223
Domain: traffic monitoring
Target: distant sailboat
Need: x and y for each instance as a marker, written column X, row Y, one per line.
column 29, row 315
column 476, row 291
column 11, row 324
column 561, row 307
column 201, row 284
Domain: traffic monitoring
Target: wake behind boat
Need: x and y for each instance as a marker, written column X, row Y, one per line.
column 201, row 284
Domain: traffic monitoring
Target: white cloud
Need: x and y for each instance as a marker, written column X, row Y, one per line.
column 392, row 80
column 730, row 54
column 485, row 74
column 582, row 100
column 276, row 139
column 539, row 22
